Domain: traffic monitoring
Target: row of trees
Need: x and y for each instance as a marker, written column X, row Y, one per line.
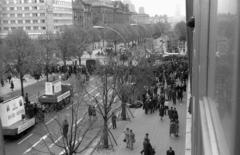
column 22, row 55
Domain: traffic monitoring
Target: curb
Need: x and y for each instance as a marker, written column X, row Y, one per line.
column 188, row 144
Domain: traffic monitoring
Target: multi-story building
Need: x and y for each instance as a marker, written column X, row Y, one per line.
column 140, row 18
column 110, row 12
column 157, row 19
column 34, row 16
column 82, row 13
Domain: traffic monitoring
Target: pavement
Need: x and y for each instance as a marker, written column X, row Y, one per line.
column 32, row 87
column 158, row 132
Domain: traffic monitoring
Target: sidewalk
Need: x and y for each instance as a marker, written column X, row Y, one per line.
column 158, row 132
column 31, row 87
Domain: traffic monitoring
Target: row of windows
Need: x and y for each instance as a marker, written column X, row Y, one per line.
column 21, row 21
column 22, row 8
column 23, row 28
column 24, row 15
column 62, row 15
column 20, row 1
column 62, row 21
column 62, row 3
column 62, row 9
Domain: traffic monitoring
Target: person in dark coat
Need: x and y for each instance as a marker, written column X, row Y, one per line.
column 170, row 113
column 170, row 151
column 161, row 112
column 114, row 120
column 12, row 85
column 147, row 147
column 172, row 128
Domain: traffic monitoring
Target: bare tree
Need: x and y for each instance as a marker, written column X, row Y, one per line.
column 67, row 42
column 19, row 53
column 74, row 132
column 46, row 47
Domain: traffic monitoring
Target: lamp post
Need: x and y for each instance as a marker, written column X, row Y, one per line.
column 148, row 32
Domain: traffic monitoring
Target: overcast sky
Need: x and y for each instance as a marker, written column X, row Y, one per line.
column 160, row 7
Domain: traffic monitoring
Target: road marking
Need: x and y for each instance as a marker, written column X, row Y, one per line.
column 25, row 138
column 51, row 120
column 55, row 141
column 42, row 138
column 61, row 153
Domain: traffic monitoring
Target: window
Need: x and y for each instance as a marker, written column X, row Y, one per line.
column 19, row 8
column 42, row 14
column 5, row 22
column 42, row 21
column 13, row 21
column 20, row 21
column 26, row 8
column 18, row 1
column 28, row 28
column 19, row 15
column 12, row 9
column 26, row 1
column 34, row 14
column 6, row 28
column 27, row 21
column 5, row 15
column 34, row 8
column 34, row 1
column 12, row 15
column 43, row 28
column 35, row 27
column 35, row 21
column 4, row 9
column 27, row 14
column 41, row 7
column 41, row 1
column 13, row 28
column 21, row 28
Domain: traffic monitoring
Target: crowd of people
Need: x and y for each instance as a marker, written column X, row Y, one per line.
column 170, row 85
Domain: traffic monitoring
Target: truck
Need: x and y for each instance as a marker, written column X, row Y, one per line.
column 56, row 95
column 15, row 119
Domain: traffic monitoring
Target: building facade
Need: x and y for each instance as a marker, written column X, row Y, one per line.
column 34, row 16
column 141, row 10
column 110, row 13
column 140, row 18
column 157, row 19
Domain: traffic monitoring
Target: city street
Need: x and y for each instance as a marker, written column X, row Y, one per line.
column 24, row 144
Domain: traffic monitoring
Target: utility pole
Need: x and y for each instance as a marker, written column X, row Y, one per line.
column 2, row 149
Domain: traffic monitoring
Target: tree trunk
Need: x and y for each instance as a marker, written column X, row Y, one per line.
column 21, row 81
column 123, row 111
column 79, row 59
column 47, row 72
column 105, row 133
column 65, row 65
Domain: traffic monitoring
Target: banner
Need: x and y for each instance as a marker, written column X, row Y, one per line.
column 11, row 111
column 48, row 88
column 57, row 87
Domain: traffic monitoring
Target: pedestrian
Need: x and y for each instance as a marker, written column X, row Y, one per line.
column 12, row 85
column 176, row 128
column 90, row 111
column 26, row 99
column 161, row 112
column 131, row 139
column 170, row 113
column 114, row 120
column 127, row 133
column 65, row 127
column 94, row 114
column 170, row 151
column 172, row 128
column 147, row 147
column 2, row 82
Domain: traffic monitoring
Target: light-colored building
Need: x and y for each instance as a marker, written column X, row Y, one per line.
column 35, row 16
column 141, row 10
column 140, row 18
column 157, row 19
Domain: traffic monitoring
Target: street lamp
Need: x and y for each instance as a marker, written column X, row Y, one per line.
column 103, row 27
